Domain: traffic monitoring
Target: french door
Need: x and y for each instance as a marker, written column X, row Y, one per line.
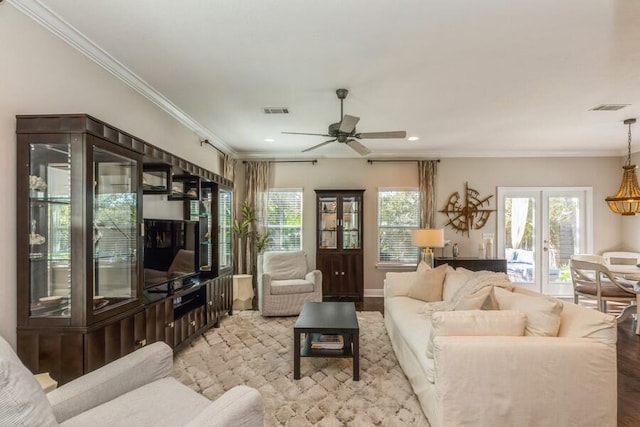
column 538, row 231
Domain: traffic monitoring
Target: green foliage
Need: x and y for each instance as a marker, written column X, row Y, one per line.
column 242, row 227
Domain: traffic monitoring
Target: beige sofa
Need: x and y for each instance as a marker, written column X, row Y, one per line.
column 136, row 390
column 486, row 367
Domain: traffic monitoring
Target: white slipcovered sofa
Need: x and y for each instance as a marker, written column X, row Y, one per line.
column 529, row 360
column 285, row 283
column 135, row 390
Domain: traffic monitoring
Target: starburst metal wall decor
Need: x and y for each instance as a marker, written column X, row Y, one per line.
column 470, row 213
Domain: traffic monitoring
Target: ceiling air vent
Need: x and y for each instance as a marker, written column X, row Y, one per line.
column 276, row 110
column 609, row 107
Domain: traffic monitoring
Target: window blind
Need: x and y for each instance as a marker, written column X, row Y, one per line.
column 284, row 220
column 398, row 216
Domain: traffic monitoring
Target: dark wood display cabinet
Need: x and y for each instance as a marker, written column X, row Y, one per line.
column 339, row 244
column 82, row 301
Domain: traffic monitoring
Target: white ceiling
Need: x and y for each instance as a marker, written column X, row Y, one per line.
column 469, row 78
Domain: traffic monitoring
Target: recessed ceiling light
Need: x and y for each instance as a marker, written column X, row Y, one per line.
column 413, row 138
column 269, row 140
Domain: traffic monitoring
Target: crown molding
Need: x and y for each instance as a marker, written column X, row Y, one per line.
column 58, row 26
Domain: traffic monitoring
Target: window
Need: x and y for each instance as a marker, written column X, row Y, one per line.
column 398, row 216
column 284, row 220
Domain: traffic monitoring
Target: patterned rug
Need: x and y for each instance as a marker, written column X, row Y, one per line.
column 257, row 351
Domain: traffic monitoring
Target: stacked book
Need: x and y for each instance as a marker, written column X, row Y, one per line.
column 327, row 342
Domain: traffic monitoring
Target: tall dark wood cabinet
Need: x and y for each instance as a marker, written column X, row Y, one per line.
column 339, row 244
column 82, row 297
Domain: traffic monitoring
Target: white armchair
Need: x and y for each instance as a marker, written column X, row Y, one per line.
column 135, row 390
column 285, row 284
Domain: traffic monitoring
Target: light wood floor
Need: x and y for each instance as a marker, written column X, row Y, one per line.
column 628, row 368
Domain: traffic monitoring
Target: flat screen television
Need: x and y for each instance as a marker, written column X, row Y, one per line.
column 169, row 250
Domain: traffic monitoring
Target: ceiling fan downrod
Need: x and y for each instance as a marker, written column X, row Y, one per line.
column 342, row 94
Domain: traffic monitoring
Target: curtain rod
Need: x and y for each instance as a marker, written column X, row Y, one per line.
column 206, row 141
column 371, row 161
column 313, row 162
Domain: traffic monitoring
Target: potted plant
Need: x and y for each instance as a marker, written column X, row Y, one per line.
column 245, row 230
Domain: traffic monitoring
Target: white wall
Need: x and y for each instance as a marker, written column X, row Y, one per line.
column 630, row 224
column 40, row 74
column 482, row 174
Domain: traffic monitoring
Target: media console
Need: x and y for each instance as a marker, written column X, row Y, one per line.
column 82, row 298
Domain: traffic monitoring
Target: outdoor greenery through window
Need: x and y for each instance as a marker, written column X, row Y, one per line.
column 398, row 216
column 284, row 220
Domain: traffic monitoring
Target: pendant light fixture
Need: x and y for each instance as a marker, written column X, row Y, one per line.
column 627, row 200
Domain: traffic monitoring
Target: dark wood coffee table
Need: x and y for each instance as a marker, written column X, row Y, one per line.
column 317, row 318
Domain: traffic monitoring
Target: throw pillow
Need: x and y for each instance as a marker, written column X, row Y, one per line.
column 543, row 313
column 454, row 280
column 476, row 301
column 22, row 400
column 475, row 323
column 398, row 283
column 428, row 283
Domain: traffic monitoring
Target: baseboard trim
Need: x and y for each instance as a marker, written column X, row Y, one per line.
column 374, row 293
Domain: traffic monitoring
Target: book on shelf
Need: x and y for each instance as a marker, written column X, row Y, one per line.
column 327, row 342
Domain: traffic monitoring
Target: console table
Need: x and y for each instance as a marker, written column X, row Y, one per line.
column 474, row 264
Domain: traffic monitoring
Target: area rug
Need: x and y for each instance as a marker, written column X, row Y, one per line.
column 256, row 351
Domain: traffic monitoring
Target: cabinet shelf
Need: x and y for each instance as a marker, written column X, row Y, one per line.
column 50, row 200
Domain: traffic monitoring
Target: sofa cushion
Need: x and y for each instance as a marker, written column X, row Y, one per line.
column 543, row 313
column 285, row 265
column 292, row 286
column 454, row 280
column 479, row 300
column 22, row 401
column 476, row 323
column 428, row 282
column 581, row 322
column 154, row 404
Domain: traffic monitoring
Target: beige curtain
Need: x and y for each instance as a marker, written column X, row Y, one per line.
column 427, row 172
column 257, row 179
column 229, row 172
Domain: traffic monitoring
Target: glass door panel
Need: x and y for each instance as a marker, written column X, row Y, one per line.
column 328, row 224
column 350, row 222
column 50, row 230
column 204, row 229
column 115, row 221
column 225, row 218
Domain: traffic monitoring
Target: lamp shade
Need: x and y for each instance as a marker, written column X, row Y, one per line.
column 428, row 238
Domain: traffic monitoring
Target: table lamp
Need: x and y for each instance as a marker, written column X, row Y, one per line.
column 427, row 238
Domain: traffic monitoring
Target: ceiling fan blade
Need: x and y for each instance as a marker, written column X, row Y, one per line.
column 357, row 147
column 304, row 133
column 398, row 134
column 348, row 123
column 317, row 146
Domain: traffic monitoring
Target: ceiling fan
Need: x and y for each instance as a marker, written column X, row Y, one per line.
column 345, row 131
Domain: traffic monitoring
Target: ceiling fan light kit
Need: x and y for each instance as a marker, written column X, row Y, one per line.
column 627, row 200
column 345, row 131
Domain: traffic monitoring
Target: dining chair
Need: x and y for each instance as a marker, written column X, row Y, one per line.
column 592, row 279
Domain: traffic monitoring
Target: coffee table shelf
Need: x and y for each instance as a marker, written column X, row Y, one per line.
column 307, row 351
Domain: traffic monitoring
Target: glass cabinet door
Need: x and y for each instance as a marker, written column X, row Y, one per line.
column 115, row 221
column 49, row 229
column 328, row 224
column 225, row 217
column 350, row 222
column 204, row 217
